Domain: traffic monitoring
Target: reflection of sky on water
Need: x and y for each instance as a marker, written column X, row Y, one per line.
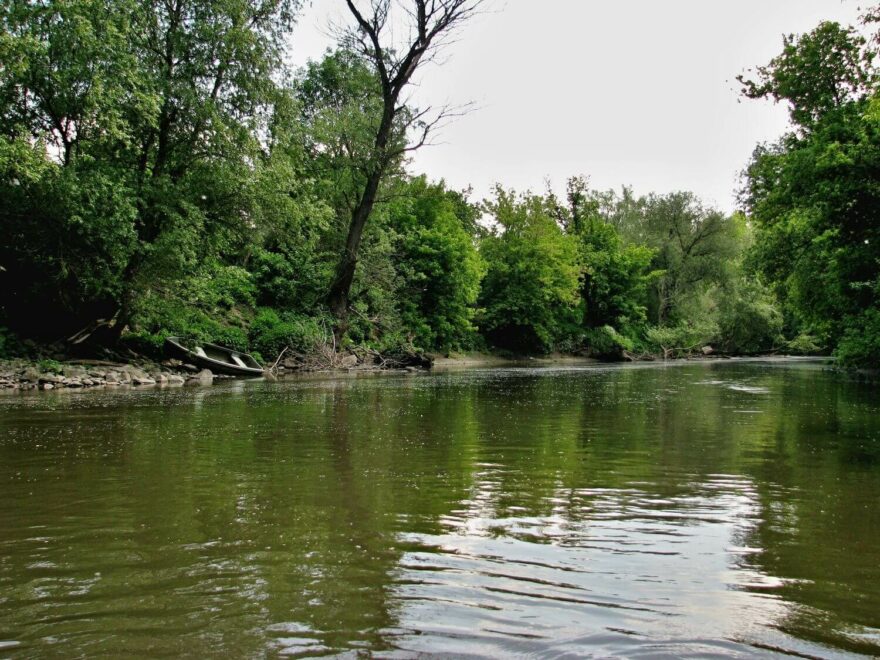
column 599, row 511
column 607, row 571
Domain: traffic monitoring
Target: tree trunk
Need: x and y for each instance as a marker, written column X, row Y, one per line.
column 337, row 299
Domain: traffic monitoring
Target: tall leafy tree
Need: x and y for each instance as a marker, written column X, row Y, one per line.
column 438, row 264
column 615, row 275
column 814, row 194
column 432, row 22
column 150, row 115
column 531, row 291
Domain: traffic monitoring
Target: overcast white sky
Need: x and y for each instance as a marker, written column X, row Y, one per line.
column 635, row 92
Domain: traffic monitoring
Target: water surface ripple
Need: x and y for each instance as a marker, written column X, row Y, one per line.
column 705, row 509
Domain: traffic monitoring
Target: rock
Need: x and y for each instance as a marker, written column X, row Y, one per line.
column 176, row 379
column 136, row 374
column 137, row 380
column 51, row 378
column 204, row 377
column 159, row 377
column 707, row 350
column 74, row 382
column 290, row 363
column 30, row 374
column 48, row 386
column 72, row 371
column 349, row 361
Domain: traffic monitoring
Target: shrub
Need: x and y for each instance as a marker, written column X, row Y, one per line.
column 859, row 347
column 606, row 343
column 271, row 332
column 681, row 339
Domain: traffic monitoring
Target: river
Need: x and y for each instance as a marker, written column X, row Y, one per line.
column 718, row 508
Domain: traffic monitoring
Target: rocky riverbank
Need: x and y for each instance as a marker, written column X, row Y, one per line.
column 24, row 375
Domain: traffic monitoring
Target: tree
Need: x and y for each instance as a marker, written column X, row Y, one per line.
column 432, row 21
column 439, row 268
column 531, row 290
column 150, row 116
column 615, row 275
column 816, row 73
column 813, row 194
column 693, row 249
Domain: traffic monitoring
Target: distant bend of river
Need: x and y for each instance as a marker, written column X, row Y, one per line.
column 725, row 508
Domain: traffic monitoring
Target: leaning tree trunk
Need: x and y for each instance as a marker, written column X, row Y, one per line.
column 338, row 297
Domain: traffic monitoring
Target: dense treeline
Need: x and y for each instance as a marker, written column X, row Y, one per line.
column 163, row 172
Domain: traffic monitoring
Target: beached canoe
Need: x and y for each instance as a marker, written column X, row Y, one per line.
column 218, row 359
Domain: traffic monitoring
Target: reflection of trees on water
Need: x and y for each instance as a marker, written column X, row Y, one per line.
column 284, row 512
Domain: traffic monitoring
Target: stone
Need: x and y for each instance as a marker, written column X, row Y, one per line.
column 72, row 371
column 349, row 361
column 205, row 377
column 176, row 379
column 51, row 378
column 74, row 382
column 290, row 363
column 134, row 372
column 48, row 386
column 707, row 350
column 137, row 380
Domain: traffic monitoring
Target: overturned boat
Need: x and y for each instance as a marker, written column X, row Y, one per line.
column 218, row 359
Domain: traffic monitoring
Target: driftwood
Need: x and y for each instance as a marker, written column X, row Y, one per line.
column 89, row 330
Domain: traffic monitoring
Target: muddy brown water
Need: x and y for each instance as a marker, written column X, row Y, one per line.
column 708, row 509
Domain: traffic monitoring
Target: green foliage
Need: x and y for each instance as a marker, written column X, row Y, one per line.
column 682, row 339
column 749, row 319
column 803, row 344
column 153, row 169
column 439, row 268
column 606, row 343
column 271, row 332
column 140, row 124
column 694, row 249
column 816, row 73
column 49, row 366
column 813, row 194
column 210, row 306
column 615, row 275
column 859, row 345
column 531, row 289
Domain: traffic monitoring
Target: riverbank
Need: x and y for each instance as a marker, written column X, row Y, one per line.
column 43, row 375
column 26, row 375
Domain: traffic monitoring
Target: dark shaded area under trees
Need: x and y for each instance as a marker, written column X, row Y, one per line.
column 163, row 171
